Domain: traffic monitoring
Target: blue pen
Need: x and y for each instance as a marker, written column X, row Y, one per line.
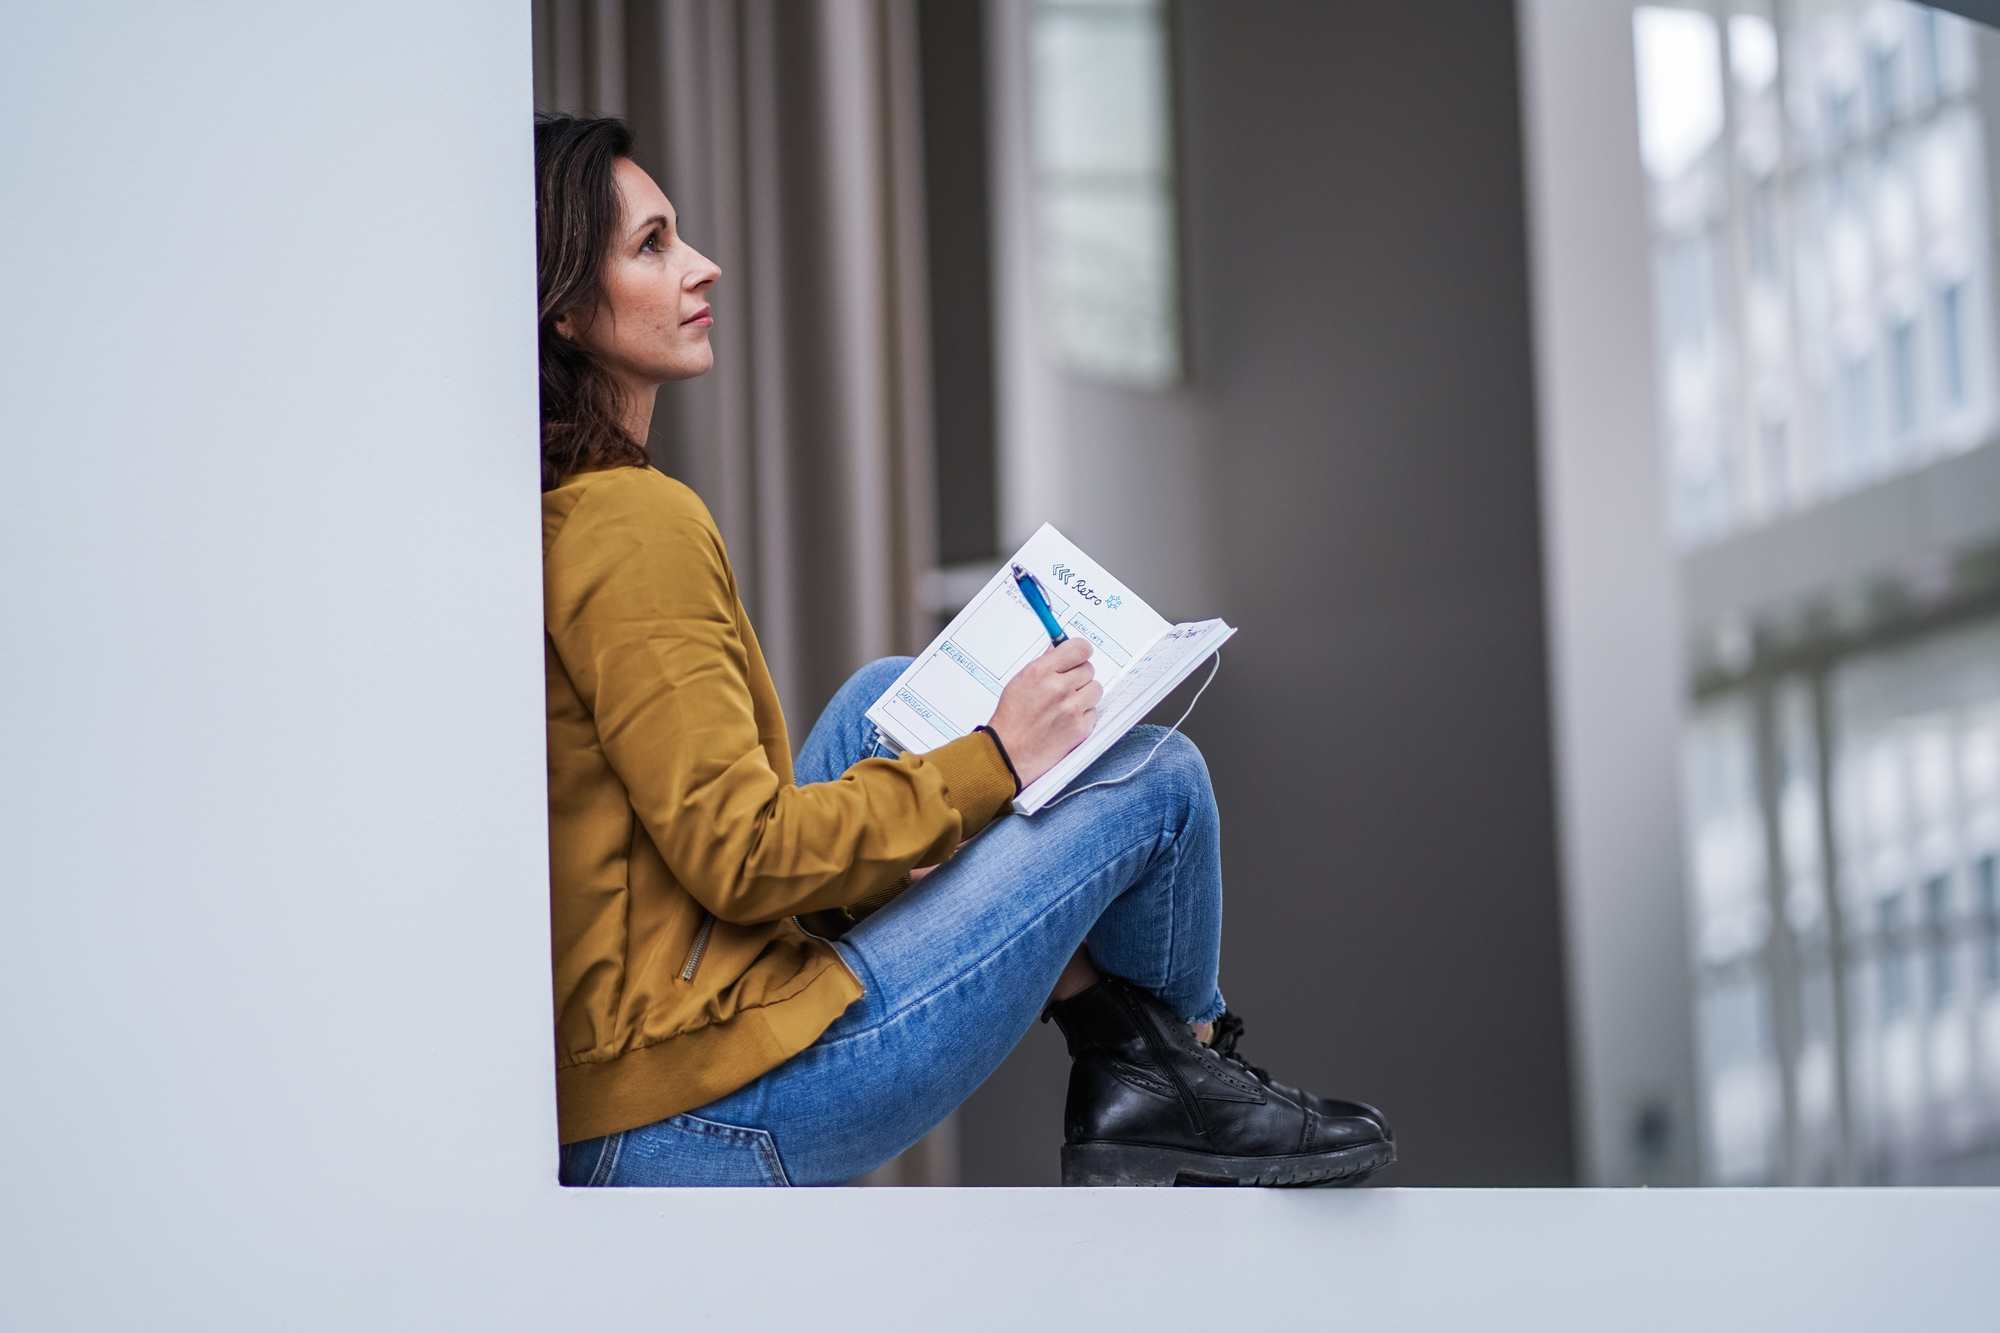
column 1031, row 588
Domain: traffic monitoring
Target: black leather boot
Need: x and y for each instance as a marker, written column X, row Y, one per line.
column 1150, row 1105
column 1229, row 1030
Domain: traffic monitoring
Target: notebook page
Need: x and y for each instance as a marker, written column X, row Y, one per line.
column 1137, row 686
column 954, row 685
column 1149, row 679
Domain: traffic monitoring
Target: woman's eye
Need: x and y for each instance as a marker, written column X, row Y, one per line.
column 652, row 243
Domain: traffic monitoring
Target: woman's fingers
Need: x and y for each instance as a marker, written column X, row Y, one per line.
column 1068, row 655
column 1047, row 709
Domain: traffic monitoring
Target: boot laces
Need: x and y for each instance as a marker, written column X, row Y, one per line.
column 1222, row 1040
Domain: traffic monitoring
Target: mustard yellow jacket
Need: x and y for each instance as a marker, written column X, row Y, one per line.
column 679, row 848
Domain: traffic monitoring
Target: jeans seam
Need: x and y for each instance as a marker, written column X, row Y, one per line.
column 1173, row 901
column 607, row 1159
column 1174, row 941
column 774, row 1163
column 760, row 1139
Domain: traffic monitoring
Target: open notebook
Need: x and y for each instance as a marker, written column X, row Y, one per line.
column 954, row 685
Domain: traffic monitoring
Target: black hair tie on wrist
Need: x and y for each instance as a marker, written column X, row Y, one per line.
column 1005, row 758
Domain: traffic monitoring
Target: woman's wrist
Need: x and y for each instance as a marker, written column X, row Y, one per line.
column 1005, row 758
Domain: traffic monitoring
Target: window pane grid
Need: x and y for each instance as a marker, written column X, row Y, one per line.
column 1822, row 298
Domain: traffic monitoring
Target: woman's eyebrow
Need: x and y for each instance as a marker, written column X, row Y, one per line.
column 657, row 220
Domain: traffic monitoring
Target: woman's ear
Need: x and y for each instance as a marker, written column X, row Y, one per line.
column 573, row 323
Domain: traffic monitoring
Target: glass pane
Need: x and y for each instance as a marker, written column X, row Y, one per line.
column 1918, row 774
column 1104, row 188
column 1727, row 856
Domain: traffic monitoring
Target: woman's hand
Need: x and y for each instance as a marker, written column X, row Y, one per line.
column 1048, row 708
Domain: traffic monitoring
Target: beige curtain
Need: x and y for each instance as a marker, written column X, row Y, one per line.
column 787, row 134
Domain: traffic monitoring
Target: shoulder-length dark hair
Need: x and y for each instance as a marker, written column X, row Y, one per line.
column 576, row 222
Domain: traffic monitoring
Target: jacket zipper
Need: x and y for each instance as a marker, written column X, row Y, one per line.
column 700, row 943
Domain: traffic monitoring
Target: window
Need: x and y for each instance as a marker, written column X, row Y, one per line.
column 1917, row 795
column 1989, row 914
column 1937, row 942
column 1903, row 354
column 1889, row 941
column 1727, row 853
column 1851, row 1017
column 1104, row 188
column 1952, row 326
column 1817, row 188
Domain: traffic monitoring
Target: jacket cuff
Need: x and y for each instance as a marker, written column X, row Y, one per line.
column 977, row 781
column 1005, row 758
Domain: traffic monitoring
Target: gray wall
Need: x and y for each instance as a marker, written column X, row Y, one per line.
column 1361, row 413
column 1614, row 626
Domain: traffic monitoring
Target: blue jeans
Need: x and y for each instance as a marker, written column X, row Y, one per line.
column 959, row 966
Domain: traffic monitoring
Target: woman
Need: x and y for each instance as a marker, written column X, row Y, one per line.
column 704, row 1035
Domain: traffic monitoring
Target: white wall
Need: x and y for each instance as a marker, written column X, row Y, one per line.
column 273, row 953
column 273, row 960
column 1614, row 638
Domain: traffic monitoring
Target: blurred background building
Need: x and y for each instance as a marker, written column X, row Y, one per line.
column 1585, row 410
column 1821, row 185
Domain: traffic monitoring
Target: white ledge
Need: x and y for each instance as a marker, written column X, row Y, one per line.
column 510, row 1253
column 1544, row 1260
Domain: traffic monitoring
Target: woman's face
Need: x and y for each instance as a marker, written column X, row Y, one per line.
column 653, row 323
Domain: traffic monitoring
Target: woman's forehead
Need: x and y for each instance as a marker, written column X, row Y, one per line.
column 637, row 191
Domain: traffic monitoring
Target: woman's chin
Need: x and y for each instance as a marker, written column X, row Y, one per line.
column 695, row 361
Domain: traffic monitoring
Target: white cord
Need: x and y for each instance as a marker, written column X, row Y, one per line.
column 1112, row 782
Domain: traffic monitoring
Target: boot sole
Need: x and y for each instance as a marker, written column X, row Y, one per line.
column 1143, row 1165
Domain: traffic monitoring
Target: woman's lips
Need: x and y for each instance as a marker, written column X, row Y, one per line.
column 699, row 318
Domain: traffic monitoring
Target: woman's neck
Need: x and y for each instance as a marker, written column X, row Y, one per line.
column 639, row 400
